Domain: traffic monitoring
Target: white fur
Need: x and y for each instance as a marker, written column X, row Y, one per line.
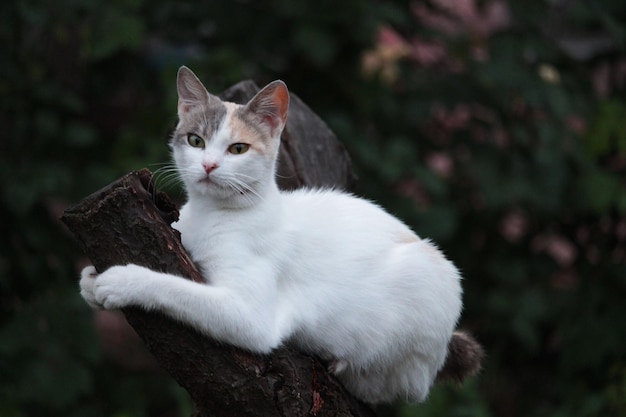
column 332, row 273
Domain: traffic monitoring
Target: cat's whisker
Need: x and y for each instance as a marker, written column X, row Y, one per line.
column 164, row 177
column 249, row 188
column 243, row 188
column 169, row 182
column 167, row 176
column 166, row 172
column 155, row 175
column 285, row 177
column 239, row 189
column 160, row 164
column 241, row 174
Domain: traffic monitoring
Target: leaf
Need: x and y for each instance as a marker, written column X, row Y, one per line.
column 601, row 190
column 608, row 129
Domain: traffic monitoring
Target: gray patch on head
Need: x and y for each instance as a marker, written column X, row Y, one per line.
column 203, row 120
column 216, row 115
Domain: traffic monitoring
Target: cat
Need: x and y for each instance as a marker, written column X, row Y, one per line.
column 331, row 273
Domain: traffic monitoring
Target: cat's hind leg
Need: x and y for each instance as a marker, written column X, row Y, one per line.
column 409, row 380
column 368, row 386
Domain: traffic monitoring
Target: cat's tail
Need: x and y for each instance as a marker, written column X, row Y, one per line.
column 465, row 355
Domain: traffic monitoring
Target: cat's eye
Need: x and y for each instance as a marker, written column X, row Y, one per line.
column 195, row 140
column 238, row 148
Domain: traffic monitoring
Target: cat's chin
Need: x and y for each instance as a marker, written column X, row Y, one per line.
column 209, row 188
column 225, row 197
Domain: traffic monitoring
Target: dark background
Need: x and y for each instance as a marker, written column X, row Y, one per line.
column 498, row 129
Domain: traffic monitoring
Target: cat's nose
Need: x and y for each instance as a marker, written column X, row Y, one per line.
column 209, row 166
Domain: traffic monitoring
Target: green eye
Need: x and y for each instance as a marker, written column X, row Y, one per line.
column 195, row 140
column 238, row 148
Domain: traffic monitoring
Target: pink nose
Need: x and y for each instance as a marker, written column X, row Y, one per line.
column 209, row 166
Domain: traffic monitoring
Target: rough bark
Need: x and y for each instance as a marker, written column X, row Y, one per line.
column 129, row 222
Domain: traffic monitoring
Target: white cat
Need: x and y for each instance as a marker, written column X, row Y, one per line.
column 329, row 272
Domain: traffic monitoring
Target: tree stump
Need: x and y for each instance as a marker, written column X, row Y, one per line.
column 129, row 222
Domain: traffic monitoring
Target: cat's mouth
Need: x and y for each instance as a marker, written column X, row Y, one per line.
column 217, row 186
column 207, row 181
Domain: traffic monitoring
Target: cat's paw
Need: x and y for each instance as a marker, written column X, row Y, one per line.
column 119, row 286
column 87, row 281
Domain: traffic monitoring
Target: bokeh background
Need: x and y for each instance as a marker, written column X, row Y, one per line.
column 496, row 128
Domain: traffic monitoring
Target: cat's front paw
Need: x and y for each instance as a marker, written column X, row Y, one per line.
column 87, row 281
column 119, row 286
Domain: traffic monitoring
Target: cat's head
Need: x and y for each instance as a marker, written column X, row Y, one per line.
column 225, row 151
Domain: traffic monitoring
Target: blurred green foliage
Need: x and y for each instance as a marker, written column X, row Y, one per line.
column 497, row 129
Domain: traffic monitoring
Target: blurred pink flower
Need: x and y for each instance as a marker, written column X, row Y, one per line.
column 608, row 76
column 427, row 53
column 501, row 137
column 413, row 189
column 455, row 119
column 576, row 124
column 514, row 226
column 383, row 59
column 390, row 38
column 562, row 250
column 464, row 16
column 440, row 163
column 451, row 17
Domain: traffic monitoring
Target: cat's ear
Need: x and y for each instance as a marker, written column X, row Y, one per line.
column 191, row 91
column 270, row 105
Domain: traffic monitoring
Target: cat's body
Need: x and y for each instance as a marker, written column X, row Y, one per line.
column 329, row 272
column 331, row 285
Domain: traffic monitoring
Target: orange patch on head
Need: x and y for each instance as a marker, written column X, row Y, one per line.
column 244, row 131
